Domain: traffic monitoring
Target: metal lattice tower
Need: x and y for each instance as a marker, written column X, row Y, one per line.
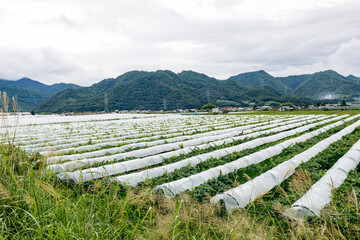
column 164, row 104
column 17, row 108
column 106, row 103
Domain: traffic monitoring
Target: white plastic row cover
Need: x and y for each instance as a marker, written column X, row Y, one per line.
column 69, row 144
column 242, row 195
column 117, row 168
column 168, row 138
column 77, row 130
column 120, row 131
column 35, row 120
column 71, row 166
column 98, row 143
column 66, row 143
column 174, row 143
column 135, row 178
column 320, row 193
column 176, row 187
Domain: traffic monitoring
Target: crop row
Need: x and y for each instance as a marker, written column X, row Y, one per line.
column 234, row 159
column 233, row 167
column 153, row 159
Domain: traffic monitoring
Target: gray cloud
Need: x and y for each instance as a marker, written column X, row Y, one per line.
column 74, row 41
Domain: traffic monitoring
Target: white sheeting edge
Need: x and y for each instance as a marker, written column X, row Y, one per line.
column 55, row 143
column 320, row 193
column 63, row 144
column 185, row 141
column 72, row 165
column 117, row 168
column 174, row 137
column 242, row 195
column 176, row 187
column 114, row 141
column 135, row 178
column 40, row 143
column 123, row 130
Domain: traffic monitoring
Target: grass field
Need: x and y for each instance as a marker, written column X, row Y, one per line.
column 34, row 204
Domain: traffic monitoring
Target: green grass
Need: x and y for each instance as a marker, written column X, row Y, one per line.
column 38, row 206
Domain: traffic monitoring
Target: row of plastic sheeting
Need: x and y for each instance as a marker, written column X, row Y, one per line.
column 135, row 178
column 117, row 168
column 133, row 138
column 94, row 143
column 23, row 120
column 78, row 128
column 117, row 130
column 72, row 165
column 166, row 144
column 185, row 135
column 73, row 143
column 242, row 195
column 189, row 183
column 320, row 193
column 46, row 146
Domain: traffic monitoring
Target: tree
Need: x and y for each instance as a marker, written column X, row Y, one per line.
column 343, row 103
column 208, row 106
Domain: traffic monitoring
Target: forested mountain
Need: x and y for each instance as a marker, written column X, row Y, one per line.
column 260, row 79
column 293, row 81
column 26, row 98
column 354, row 78
column 327, row 84
column 155, row 90
column 30, row 93
column 320, row 85
column 149, row 90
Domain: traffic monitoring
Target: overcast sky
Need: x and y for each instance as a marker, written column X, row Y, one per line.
column 86, row 41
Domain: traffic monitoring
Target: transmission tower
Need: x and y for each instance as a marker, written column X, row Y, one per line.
column 164, row 104
column 106, row 103
column 16, row 105
column 208, row 95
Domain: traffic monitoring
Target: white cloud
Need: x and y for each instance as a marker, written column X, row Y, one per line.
column 86, row 41
column 346, row 58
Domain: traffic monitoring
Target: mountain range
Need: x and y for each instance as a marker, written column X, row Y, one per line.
column 162, row 89
column 30, row 93
column 188, row 89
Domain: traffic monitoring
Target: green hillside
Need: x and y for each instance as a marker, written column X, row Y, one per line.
column 354, row 78
column 188, row 89
column 26, row 98
column 25, row 83
column 149, row 90
column 259, row 79
column 30, row 92
column 327, row 84
column 293, row 81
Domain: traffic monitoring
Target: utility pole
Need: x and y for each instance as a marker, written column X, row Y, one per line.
column 106, row 103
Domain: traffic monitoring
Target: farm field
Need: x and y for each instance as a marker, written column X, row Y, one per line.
column 181, row 176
